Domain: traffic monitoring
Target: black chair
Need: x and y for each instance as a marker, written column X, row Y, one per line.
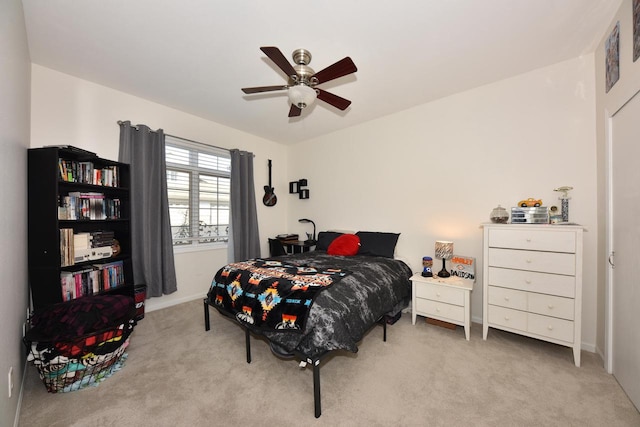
column 276, row 248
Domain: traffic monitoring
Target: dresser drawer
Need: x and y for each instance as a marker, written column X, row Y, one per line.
column 507, row 317
column 537, row 240
column 509, row 298
column 550, row 327
column 445, row 294
column 551, row 306
column 429, row 308
column 544, row 283
column 550, row 262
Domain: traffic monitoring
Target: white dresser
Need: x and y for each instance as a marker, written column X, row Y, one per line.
column 532, row 282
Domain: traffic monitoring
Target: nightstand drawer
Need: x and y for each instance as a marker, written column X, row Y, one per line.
column 507, row 317
column 509, row 298
column 544, row 283
column 551, row 327
column 549, row 262
column 440, row 310
column 551, row 306
column 446, row 294
column 535, row 240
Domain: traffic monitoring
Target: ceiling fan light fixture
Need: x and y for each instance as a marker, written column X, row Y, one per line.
column 301, row 95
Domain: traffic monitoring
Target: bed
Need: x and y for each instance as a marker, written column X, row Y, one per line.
column 365, row 286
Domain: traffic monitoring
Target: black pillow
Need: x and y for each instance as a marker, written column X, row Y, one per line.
column 377, row 244
column 325, row 238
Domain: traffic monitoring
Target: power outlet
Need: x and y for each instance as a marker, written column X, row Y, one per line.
column 10, row 380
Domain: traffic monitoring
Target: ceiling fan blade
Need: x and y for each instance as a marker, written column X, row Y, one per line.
column 294, row 111
column 332, row 99
column 341, row 68
column 278, row 58
column 263, row 89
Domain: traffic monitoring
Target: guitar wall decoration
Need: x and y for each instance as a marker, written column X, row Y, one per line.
column 269, row 198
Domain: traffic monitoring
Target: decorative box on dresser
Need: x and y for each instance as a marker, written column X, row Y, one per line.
column 532, row 282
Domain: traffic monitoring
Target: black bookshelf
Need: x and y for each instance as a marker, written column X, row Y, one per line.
column 53, row 173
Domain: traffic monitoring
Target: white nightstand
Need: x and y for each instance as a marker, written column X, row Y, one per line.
column 447, row 299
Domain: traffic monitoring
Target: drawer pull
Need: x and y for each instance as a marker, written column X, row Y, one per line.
column 506, row 318
column 527, row 281
column 528, row 261
column 529, row 239
column 438, row 294
column 550, row 328
column 438, row 309
column 550, row 306
column 506, row 299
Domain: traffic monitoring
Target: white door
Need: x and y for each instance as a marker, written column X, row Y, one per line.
column 625, row 227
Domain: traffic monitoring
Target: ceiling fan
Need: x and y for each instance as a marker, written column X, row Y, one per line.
column 301, row 86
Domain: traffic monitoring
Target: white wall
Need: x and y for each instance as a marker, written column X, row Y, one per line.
column 607, row 104
column 14, row 141
column 431, row 172
column 436, row 171
column 70, row 111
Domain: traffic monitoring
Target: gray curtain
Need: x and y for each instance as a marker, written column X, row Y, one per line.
column 151, row 242
column 244, row 238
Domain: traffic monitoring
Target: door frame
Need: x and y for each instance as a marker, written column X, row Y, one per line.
column 608, row 309
column 608, row 326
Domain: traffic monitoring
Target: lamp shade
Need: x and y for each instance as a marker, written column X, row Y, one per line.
column 444, row 249
column 301, row 95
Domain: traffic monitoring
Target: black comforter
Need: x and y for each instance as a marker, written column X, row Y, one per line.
column 341, row 314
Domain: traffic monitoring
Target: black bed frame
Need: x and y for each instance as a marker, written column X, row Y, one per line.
column 313, row 361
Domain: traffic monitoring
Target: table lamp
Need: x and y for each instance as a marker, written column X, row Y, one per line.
column 310, row 239
column 444, row 250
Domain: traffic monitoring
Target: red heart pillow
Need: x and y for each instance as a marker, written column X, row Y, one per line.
column 345, row 244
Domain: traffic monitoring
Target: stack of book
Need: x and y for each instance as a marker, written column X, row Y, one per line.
column 287, row 238
column 92, row 246
column 82, row 247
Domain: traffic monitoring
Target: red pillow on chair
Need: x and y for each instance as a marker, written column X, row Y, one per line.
column 345, row 244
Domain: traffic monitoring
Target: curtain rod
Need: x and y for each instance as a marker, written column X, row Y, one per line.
column 202, row 143
column 120, row 122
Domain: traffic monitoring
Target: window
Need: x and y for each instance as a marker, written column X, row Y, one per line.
column 198, row 183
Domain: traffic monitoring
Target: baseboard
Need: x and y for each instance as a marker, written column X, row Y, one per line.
column 153, row 304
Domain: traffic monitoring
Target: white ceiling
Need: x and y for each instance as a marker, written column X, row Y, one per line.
column 195, row 55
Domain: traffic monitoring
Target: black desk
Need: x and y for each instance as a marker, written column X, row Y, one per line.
column 298, row 246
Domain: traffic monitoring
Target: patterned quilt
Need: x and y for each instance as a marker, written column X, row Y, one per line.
column 270, row 294
column 342, row 313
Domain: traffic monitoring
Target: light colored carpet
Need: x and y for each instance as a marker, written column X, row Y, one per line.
column 179, row 375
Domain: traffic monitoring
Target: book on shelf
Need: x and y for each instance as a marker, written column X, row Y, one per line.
column 87, row 173
column 112, row 274
column 66, row 247
column 88, row 205
column 91, row 280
